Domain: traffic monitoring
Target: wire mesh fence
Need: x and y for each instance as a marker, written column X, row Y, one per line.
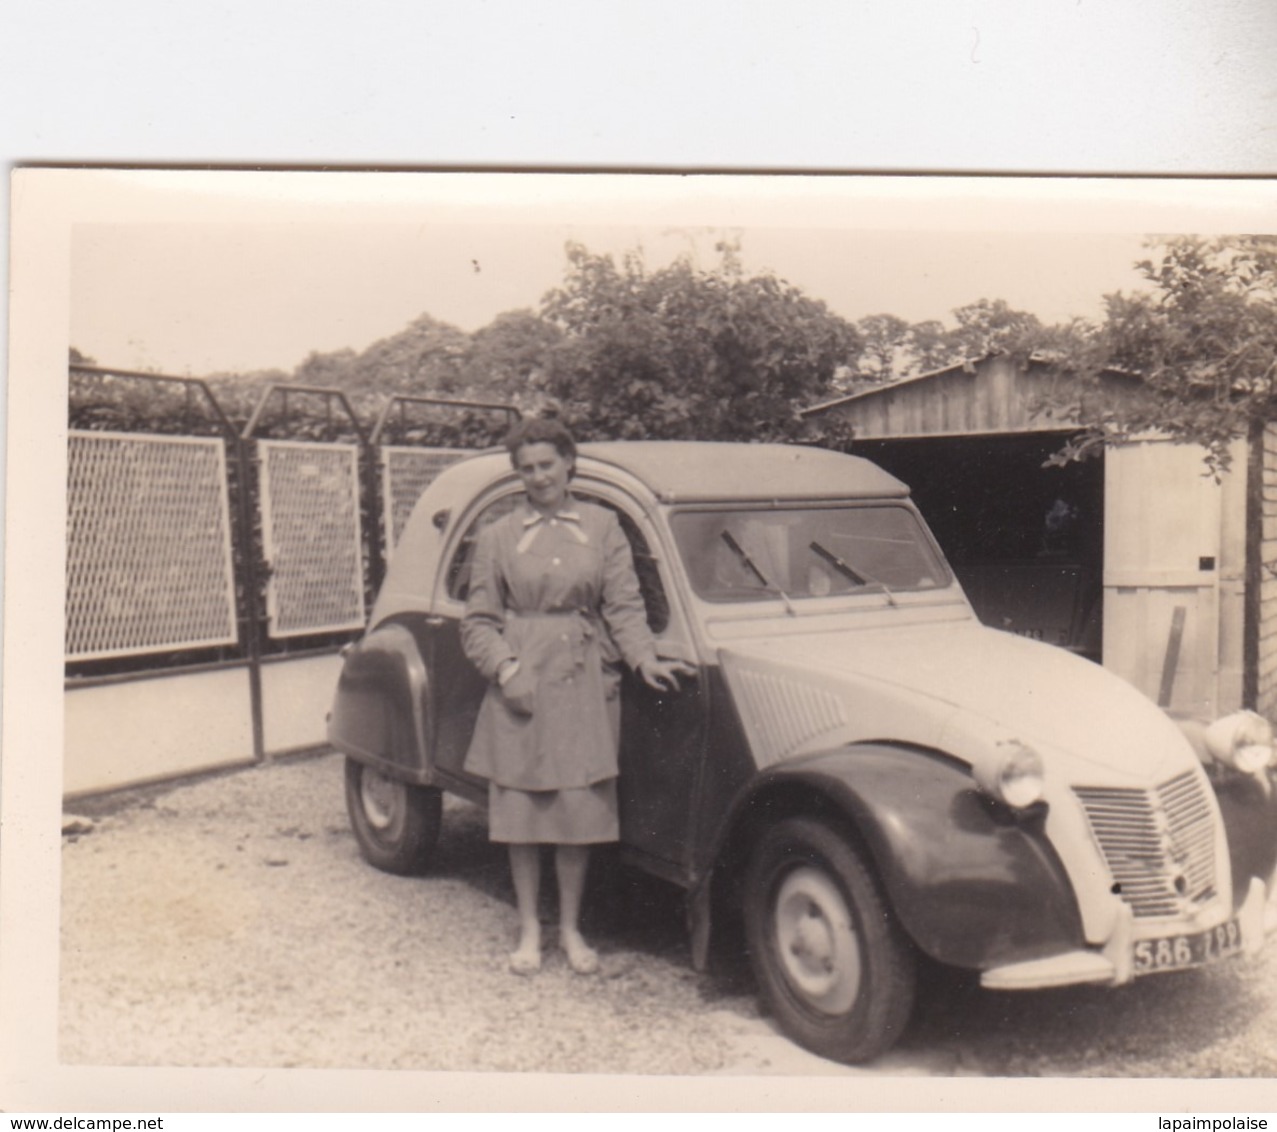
column 311, row 536
column 149, row 561
column 197, row 539
column 405, row 474
column 213, row 542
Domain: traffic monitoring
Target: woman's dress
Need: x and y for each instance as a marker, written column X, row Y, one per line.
column 559, row 595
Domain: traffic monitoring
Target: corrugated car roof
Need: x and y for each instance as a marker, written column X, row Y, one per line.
column 703, row 471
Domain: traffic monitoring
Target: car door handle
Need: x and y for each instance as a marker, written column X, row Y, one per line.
column 435, row 621
column 675, row 650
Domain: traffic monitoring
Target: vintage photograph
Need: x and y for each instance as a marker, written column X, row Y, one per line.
column 698, row 627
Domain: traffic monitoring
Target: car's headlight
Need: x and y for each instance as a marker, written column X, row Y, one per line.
column 1243, row 740
column 1012, row 773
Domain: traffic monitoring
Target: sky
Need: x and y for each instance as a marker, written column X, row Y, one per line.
column 196, row 298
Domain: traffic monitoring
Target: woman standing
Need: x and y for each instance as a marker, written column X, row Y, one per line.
column 554, row 603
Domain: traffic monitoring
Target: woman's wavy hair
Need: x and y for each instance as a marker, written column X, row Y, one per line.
column 540, row 430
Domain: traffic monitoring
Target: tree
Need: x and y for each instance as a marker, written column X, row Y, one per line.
column 426, row 357
column 990, row 326
column 895, row 348
column 336, row 368
column 239, row 393
column 929, row 347
column 683, row 352
column 1200, row 346
column 508, row 357
column 886, row 344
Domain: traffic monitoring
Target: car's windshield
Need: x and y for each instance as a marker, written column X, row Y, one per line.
column 806, row 552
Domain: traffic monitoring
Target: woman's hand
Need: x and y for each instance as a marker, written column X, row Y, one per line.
column 518, row 690
column 663, row 674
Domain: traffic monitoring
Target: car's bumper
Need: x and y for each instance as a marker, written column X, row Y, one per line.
column 1114, row 963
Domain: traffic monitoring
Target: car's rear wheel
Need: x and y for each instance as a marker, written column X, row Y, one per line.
column 396, row 824
column 831, row 962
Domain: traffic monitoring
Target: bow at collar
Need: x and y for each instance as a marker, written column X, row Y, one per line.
column 534, row 521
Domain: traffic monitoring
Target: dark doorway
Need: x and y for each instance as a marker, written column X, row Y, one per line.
column 1026, row 541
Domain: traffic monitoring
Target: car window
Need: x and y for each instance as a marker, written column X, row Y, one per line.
column 462, row 563
column 645, row 566
column 645, row 562
column 753, row 555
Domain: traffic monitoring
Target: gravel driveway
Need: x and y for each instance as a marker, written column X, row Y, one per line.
column 231, row 922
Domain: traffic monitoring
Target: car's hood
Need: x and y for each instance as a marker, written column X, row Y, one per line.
column 954, row 686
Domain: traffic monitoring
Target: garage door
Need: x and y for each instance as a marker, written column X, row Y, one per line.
column 1169, row 560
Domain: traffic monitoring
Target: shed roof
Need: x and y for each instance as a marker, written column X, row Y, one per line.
column 988, row 394
column 968, row 365
column 992, row 395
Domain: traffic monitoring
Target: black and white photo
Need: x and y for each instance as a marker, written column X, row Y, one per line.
column 938, row 639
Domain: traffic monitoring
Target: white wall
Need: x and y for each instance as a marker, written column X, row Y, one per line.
column 125, row 733
column 296, row 697
column 155, row 727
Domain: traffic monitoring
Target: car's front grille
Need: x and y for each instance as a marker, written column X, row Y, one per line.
column 1159, row 844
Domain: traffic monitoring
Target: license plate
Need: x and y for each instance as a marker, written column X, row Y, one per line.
column 1178, row 951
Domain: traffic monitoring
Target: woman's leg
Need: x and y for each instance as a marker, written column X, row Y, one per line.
column 571, row 863
column 525, row 869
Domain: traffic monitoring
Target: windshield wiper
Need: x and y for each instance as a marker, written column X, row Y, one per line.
column 847, row 571
column 752, row 567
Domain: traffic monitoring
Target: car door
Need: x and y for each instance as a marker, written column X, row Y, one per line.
column 663, row 734
column 456, row 687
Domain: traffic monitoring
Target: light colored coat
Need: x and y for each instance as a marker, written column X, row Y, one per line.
column 560, row 596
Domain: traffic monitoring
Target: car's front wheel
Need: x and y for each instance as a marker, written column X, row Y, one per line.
column 830, row 959
column 396, row 824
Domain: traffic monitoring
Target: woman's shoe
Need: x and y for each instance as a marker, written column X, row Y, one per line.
column 583, row 959
column 525, row 962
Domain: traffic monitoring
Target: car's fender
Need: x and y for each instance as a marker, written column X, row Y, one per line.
column 973, row 884
column 378, row 713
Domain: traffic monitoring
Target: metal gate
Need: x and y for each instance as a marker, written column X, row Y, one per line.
column 149, row 562
column 405, row 474
column 443, row 430
column 311, row 536
column 212, row 579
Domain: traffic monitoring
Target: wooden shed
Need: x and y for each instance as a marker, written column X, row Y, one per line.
column 1139, row 558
